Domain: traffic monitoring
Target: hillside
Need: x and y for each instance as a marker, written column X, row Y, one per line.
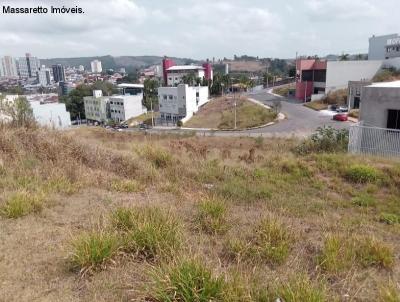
column 110, row 62
column 91, row 215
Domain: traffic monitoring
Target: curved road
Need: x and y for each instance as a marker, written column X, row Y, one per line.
column 300, row 121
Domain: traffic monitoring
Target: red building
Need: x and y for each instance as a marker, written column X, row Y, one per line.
column 166, row 63
column 310, row 78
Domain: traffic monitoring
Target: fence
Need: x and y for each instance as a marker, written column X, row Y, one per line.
column 375, row 141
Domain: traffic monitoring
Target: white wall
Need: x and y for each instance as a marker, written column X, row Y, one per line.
column 339, row 73
column 53, row 115
column 175, row 78
column 126, row 106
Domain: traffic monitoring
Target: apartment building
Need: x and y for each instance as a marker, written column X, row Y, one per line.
column 181, row 102
column 96, row 66
column 97, row 107
column 384, row 47
column 28, row 66
column 8, row 67
column 43, row 76
column 58, row 73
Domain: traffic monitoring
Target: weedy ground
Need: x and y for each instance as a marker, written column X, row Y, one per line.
column 90, row 215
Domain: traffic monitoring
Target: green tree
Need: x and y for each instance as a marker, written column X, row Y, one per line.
column 150, row 94
column 74, row 101
column 344, row 57
column 19, row 112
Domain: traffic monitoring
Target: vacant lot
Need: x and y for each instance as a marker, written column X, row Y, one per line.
column 220, row 114
column 90, row 215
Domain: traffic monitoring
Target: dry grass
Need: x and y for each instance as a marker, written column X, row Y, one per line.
column 219, row 114
column 159, row 199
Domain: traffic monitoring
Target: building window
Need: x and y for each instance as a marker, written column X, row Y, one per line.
column 171, row 97
column 165, row 96
column 393, row 121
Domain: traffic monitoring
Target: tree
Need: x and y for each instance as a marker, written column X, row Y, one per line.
column 150, row 93
column 74, row 101
column 190, row 79
column 344, row 57
column 19, row 112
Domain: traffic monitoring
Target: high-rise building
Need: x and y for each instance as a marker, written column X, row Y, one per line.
column 33, row 65
column 22, row 68
column 44, row 76
column 96, row 66
column 8, row 67
column 58, row 73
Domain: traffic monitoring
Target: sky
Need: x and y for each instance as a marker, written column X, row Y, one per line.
column 198, row 29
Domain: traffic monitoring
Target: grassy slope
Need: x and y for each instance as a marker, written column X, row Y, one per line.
column 219, row 114
column 267, row 221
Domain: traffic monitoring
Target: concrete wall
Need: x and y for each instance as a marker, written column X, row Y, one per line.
column 53, row 115
column 375, row 104
column 339, row 73
column 377, row 46
column 125, row 107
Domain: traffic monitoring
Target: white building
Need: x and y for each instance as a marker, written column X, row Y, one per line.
column 176, row 73
column 181, row 102
column 97, row 107
column 339, row 73
column 8, row 67
column 44, row 76
column 96, row 66
column 124, row 107
column 53, row 115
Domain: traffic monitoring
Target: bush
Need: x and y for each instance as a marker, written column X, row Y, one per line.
column 160, row 158
column 271, row 242
column 21, row 204
column 243, row 191
column 211, row 216
column 390, row 293
column 186, row 282
column 147, row 232
column 362, row 174
column 179, row 123
column 93, row 249
column 389, row 218
column 326, row 139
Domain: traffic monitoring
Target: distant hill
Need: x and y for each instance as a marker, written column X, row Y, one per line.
column 131, row 63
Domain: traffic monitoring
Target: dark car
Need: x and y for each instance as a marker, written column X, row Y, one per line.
column 341, row 117
column 143, row 126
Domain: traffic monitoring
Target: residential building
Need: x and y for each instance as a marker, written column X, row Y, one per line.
column 316, row 78
column 33, row 65
column 377, row 46
column 181, row 102
column 8, row 67
column 81, row 68
column 96, row 66
column 58, row 73
column 65, row 88
column 381, row 105
column 354, row 93
column 44, row 76
column 22, row 68
column 310, row 78
column 125, row 107
column 97, row 107
column 173, row 74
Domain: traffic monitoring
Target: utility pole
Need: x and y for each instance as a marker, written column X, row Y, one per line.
column 152, row 111
column 234, row 98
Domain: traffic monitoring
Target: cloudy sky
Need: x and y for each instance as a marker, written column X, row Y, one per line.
column 198, row 29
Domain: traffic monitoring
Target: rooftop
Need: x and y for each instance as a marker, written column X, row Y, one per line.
column 185, row 67
column 395, row 84
column 130, row 85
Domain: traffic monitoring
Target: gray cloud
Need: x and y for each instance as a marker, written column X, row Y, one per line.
column 199, row 29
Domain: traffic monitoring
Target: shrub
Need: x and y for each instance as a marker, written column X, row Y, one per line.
column 186, row 281
column 160, row 158
column 271, row 242
column 341, row 253
column 93, row 249
column 61, row 185
column 125, row 186
column 300, row 288
column 21, row 204
column 390, row 293
column 179, row 123
column 210, row 217
column 389, row 218
column 243, row 190
column 326, row 139
column 148, row 232
column 362, row 174
column 364, row 200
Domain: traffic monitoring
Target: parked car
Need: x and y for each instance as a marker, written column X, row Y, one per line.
column 342, row 117
column 143, row 126
column 342, row 109
column 333, row 107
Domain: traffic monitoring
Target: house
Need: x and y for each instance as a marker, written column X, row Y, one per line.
column 181, row 102
column 381, row 105
column 378, row 132
column 354, row 93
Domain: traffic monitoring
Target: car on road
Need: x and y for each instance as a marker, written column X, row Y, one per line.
column 144, row 126
column 341, row 117
column 342, row 109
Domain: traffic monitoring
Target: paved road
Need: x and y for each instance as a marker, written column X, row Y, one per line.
column 300, row 121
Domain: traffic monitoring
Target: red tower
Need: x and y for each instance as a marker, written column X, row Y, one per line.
column 166, row 63
column 208, row 71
